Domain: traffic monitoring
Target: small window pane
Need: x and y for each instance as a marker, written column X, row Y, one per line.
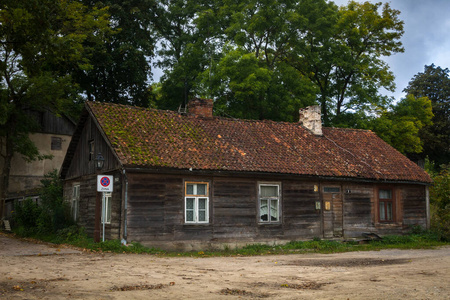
column 189, row 216
column 202, row 203
column 328, row 189
column 389, row 211
column 189, row 189
column 201, row 189
column 190, row 203
column 274, row 210
column 269, row 191
column 264, row 212
column 382, row 212
column 202, row 216
column 56, row 143
column 385, row 194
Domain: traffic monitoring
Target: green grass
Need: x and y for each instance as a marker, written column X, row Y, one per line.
column 417, row 240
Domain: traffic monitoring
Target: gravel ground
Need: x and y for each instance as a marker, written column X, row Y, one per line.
column 41, row 271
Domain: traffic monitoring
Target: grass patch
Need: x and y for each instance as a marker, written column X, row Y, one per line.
column 76, row 236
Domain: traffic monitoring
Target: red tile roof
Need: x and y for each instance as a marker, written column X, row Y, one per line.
column 155, row 138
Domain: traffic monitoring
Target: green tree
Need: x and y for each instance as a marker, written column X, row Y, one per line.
column 120, row 65
column 185, row 37
column 434, row 83
column 340, row 51
column 400, row 125
column 41, row 44
column 251, row 79
column 440, row 201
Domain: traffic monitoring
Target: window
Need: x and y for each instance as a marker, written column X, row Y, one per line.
column 106, row 208
column 196, row 202
column 56, row 143
column 91, row 150
column 75, row 201
column 329, row 189
column 269, row 203
column 386, row 205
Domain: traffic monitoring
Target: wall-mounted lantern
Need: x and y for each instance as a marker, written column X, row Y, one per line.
column 99, row 161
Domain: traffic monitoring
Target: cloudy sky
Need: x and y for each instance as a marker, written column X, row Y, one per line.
column 426, row 39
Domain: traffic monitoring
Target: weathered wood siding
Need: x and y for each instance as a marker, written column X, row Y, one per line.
column 81, row 164
column 156, row 210
column 358, row 209
column 414, row 206
column 86, row 206
column 301, row 219
column 50, row 123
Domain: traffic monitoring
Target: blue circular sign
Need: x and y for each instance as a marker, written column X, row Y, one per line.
column 104, row 181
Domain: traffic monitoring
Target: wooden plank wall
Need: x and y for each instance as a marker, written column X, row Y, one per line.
column 414, row 206
column 86, row 209
column 301, row 219
column 358, row 209
column 156, row 210
column 52, row 124
column 57, row 125
column 81, row 165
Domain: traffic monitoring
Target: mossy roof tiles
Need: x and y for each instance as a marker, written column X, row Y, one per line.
column 155, row 138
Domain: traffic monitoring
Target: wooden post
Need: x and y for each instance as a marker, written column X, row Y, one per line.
column 98, row 208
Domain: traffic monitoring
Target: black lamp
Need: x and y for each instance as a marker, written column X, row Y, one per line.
column 99, row 161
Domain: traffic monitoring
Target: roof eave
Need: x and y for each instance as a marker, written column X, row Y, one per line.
column 210, row 172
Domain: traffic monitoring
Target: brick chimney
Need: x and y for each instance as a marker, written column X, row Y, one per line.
column 200, row 107
column 311, row 119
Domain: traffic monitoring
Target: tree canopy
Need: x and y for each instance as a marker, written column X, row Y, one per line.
column 42, row 42
column 434, row 83
column 258, row 59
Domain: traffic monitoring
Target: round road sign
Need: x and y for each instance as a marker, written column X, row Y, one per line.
column 105, row 181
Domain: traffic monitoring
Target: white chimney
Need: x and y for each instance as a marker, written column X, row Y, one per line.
column 311, row 119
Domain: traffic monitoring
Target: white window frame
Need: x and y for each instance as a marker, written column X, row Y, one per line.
column 75, row 203
column 269, row 201
column 106, row 209
column 196, row 199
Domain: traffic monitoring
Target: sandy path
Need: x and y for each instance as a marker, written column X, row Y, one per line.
column 387, row 274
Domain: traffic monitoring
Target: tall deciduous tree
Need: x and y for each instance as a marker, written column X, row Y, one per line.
column 252, row 79
column 341, row 50
column 400, row 125
column 120, row 66
column 41, row 43
column 185, row 32
column 434, row 83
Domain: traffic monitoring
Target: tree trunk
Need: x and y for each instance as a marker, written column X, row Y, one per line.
column 4, row 176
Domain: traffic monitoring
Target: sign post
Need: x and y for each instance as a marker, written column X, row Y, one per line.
column 104, row 184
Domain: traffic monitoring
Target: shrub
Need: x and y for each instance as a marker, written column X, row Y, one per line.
column 25, row 216
column 51, row 215
column 440, row 203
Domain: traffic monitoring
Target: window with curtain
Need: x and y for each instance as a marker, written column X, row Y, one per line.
column 269, row 203
column 196, row 202
column 386, row 205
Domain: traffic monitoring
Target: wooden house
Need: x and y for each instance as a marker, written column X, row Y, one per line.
column 188, row 181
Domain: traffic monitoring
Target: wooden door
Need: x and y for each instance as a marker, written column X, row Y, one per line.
column 332, row 211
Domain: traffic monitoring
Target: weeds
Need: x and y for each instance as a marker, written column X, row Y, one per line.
column 76, row 236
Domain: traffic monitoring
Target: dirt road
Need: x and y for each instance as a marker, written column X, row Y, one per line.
column 37, row 271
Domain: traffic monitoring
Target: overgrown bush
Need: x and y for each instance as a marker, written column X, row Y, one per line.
column 25, row 217
column 440, row 202
column 52, row 213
